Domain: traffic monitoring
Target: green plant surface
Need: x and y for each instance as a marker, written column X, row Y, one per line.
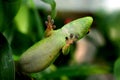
column 7, row 68
column 117, row 69
column 53, row 7
column 8, row 10
column 71, row 71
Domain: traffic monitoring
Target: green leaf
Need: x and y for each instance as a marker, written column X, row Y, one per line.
column 53, row 7
column 22, row 19
column 38, row 20
column 18, row 41
column 72, row 71
column 8, row 10
column 117, row 69
column 6, row 60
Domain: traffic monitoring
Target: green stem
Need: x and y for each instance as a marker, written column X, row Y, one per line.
column 38, row 20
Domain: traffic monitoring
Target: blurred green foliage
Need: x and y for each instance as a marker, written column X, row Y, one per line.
column 70, row 72
column 109, row 26
column 8, row 10
column 7, row 69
